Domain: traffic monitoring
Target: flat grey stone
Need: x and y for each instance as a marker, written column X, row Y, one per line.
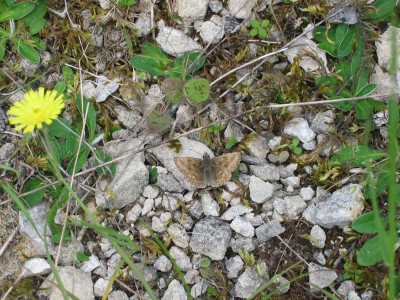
column 175, row 42
column 151, row 191
column 267, row 172
column 320, row 277
column 39, row 215
column 234, row 265
column 77, row 282
column 157, row 225
column 179, row 235
column 199, row 289
column 91, row 264
column 234, row 211
column 181, row 259
column 212, row 31
column 323, row 122
column 307, row 193
column 306, row 62
column 36, row 266
column 294, row 206
column 241, row 9
column 104, row 87
column 118, row 295
column 190, row 10
column 163, row 264
column 260, row 191
column 257, row 146
column 317, row 237
column 243, row 243
column 175, row 290
column 211, row 237
column 130, row 178
column 298, row 127
column 242, row 226
column 269, row 230
column 247, row 283
column 210, row 206
column 346, row 203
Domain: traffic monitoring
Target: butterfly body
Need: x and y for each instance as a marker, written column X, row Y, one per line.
column 208, row 171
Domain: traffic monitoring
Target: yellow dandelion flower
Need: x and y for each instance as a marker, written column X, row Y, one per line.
column 36, row 108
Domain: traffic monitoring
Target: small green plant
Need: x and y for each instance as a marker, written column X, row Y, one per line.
column 19, row 23
column 124, row 3
column 259, row 29
column 205, row 267
column 294, row 146
column 81, row 257
column 247, row 257
column 216, row 128
column 232, row 142
column 179, row 84
column 153, row 175
column 156, row 62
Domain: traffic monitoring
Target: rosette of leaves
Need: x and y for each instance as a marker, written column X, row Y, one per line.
column 259, row 29
column 19, row 22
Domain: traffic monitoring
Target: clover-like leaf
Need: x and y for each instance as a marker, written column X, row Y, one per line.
column 197, row 90
column 158, row 121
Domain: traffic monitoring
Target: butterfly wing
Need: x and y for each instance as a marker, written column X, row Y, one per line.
column 192, row 168
column 223, row 166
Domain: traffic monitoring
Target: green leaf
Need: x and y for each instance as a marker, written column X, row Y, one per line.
column 56, row 238
column 158, row 121
column 37, row 25
column 104, row 158
column 152, row 60
column 60, row 87
column 361, row 155
column 384, row 8
column 370, row 253
column 297, row 151
column 37, row 13
column 81, row 257
column 148, row 64
column 331, row 49
column 38, row 43
column 35, row 198
column 68, row 75
column 84, row 105
column 255, row 23
column 173, row 89
column 28, row 52
column 60, row 128
column 366, row 223
column 57, row 149
column 232, row 141
column 197, row 90
column 188, row 63
column 378, row 186
column 81, row 161
column 265, row 23
column 356, row 61
column 262, row 33
column 3, row 42
column 17, row 11
column 346, row 44
column 253, row 32
column 366, row 90
column 153, row 175
column 365, row 108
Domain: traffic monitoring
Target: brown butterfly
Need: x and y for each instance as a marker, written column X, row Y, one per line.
column 208, row 171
